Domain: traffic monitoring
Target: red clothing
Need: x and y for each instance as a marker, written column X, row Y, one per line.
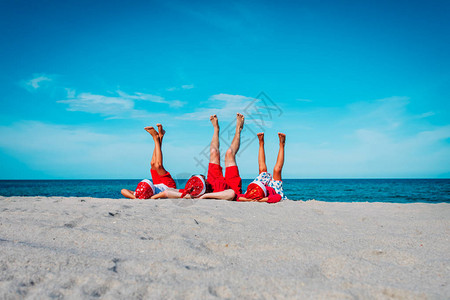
column 232, row 180
column 166, row 179
column 145, row 189
column 273, row 196
column 195, row 186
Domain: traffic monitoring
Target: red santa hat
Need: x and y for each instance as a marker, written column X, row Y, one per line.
column 256, row 190
column 145, row 189
column 195, row 186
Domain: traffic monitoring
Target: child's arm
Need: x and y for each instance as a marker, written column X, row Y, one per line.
column 169, row 193
column 128, row 194
column 243, row 199
column 265, row 199
column 224, row 195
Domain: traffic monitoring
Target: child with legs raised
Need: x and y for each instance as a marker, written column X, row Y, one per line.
column 265, row 187
column 162, row 180
column 227, row 187
column 216, row 185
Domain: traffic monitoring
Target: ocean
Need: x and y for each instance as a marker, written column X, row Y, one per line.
column 332, row 190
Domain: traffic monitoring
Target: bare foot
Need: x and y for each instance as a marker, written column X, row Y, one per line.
column 152, row 131
column 261, row 137
column 282, row 138
column 161, row 131
column 214, row 121
column 239, row 121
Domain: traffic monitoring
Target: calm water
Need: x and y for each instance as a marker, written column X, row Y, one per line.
column 340, row 190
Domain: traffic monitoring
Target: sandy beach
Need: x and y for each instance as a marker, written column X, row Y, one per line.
column 171, row 249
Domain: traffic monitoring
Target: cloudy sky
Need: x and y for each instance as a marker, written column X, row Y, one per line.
column 361, row 88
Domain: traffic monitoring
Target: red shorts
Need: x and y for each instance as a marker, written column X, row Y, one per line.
column 166, row 179
column 232, row 180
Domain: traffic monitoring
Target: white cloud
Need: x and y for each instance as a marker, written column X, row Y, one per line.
column 152, row 98
column 69, row 151
column 372, row 153
column 177, row 103
column 142, row 96
column 99, row 104
column 121, row 106
column 72, row 151
column 223, row 105
column 426, row 115
column 183, row 87
column 304, row 100
column 259, row 112
column 369, row 139
column 36, row 82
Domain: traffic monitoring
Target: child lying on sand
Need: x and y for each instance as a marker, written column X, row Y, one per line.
column 266, row 188
column 162, row 180
column 216, row 186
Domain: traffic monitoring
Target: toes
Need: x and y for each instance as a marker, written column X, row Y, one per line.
column 161, row 131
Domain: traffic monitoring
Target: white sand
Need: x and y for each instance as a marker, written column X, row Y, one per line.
column 87, row 248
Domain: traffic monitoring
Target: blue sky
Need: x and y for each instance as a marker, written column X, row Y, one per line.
column 360, row 88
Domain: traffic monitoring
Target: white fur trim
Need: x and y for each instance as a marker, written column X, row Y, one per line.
column 150, row 184
column 204, row 184
column 262, row 186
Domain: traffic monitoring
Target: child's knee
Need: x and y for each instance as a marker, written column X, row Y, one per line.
column 156, row 165
column 214, row 152
column 229, row 154
column 277, row 169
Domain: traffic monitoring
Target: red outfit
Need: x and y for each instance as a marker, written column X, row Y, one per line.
column 145, row 189
column 273, row 196
column 166, row 179
column 232, row 180
column 195, row 186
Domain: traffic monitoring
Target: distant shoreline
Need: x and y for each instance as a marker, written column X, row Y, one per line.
column 328, row 190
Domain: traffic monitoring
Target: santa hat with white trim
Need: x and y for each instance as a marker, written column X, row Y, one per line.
column 145, row 189
column 256, row 190
column 195, row 186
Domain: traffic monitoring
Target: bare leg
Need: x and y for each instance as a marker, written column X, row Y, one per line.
column 128, row 194
column 156, row 164
column 214, row 157
column 161, row 132
column 230, row 155
column 280, row 158
column 261, row 154
column 170, row 193
column 224, row 195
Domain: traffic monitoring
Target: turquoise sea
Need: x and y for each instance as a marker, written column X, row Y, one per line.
column 333, row 190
